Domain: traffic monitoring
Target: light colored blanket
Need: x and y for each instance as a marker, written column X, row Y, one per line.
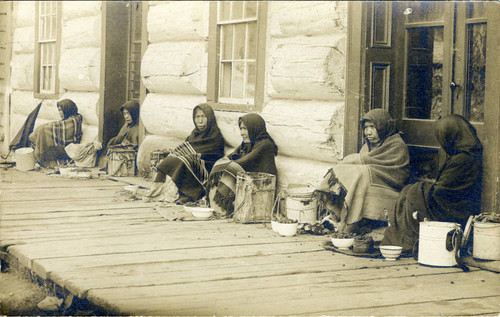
column 373, row 179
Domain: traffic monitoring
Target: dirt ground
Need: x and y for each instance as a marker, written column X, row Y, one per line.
column 19, row 295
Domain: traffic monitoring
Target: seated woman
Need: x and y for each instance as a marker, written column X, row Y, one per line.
column 255, row 154
column 122, row 149
column 183, row 174
column 129, row 133
column 50, row 139
column 360, row 187
column 453, row 197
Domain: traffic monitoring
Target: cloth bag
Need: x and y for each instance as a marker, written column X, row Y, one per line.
column 84, row 155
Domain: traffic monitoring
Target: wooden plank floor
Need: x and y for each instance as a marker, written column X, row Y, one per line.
column 125, row 257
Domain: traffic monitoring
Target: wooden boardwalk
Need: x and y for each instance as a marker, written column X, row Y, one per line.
column 126, row 258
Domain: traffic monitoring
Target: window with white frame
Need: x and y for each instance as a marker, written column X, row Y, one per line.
column 239, row 31
column 47, row 47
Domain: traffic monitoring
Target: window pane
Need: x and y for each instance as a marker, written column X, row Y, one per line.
column 225, row 80
column 239, row 40
column 227, row 42
column 137, row 16
column 238, row 73
column 250, row 9
column 50, row 53
column 476, row 73
column 237, row 10
column 45, row 54
column 53, row 27
column 250, row 90
column 224, row 7
column 252, row 40
column 425, row 73
column 42, row 4
column 46, row 78
column 426, row 11
column 476, row 9
column 44, row 27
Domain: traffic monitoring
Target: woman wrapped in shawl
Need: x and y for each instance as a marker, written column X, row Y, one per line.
column 255, row 154
column 367, row 183
column 453, row 197
column 184, row 172
column 50, row 139
column 129, row 133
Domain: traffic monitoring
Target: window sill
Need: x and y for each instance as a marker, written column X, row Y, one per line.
column 235, row 107
column 45, row 96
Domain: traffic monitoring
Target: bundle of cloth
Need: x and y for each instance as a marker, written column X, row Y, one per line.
column 371, row 179
column 49, row 140
column 452, row 197
column 182, row 175
column 257, row 154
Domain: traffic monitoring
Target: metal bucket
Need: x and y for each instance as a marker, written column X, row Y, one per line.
column 301, row 203
column 438, row 243
column 25, row 159
column 486, row 241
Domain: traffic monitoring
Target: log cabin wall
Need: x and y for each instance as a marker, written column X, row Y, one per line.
column 304, row 82
column 79, row 64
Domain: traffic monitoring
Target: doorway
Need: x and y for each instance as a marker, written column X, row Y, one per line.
column 121, row 60
column 421, row 60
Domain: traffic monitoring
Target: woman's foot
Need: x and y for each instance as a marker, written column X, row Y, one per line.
column 155, row 191
column 182, row 200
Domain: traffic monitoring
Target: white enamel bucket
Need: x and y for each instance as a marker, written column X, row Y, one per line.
column 301, row 203
column 486, row 241
column 438, row 243
column 25, row 159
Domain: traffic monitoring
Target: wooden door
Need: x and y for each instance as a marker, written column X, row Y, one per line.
column 445, row 71
column 422, row 60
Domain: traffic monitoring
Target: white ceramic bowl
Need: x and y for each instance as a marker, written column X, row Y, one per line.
column 390, row 252
column 199, row 212
column 287, row 229
column 343, row 243
column 131, row 188
column 274, row 226
column 64, row 171
column 84, row 174
column 72, row 172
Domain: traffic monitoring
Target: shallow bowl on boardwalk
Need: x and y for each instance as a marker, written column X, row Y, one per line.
column 199, row 212
column 343, row 243
column 274, row 226
column 287, row 229
column 390, row 252
column 131, row 188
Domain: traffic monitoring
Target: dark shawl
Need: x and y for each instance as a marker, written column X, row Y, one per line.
column 456, row 193
column 256, row 156
column 129, row 133
column 51, row 138
column 190, row 163
column 22, row 137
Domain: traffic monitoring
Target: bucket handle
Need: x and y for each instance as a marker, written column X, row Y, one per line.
column 453, row 243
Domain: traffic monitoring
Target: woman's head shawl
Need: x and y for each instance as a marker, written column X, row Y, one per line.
column 134, row 109
column 68, row 107
column 382, row 121
column 257, row 131
column 455, row 134
column 210, row 140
